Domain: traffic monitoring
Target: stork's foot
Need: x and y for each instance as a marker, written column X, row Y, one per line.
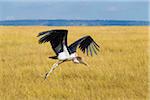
column 46, row 75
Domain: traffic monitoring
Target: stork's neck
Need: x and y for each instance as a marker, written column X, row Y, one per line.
column 73, row 55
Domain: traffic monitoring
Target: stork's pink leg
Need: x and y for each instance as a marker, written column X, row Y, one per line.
column 53, row 67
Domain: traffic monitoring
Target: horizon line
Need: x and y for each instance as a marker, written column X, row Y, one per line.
column 78, row 19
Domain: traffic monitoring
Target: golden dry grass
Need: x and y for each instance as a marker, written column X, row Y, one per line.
column 119, row 72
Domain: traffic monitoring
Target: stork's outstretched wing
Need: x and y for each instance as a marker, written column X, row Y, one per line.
column 85, row 44
column 56, row 37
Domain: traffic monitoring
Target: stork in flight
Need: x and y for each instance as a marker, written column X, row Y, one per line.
column 58, row 40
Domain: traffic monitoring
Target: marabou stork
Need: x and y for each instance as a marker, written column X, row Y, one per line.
column 58, row 40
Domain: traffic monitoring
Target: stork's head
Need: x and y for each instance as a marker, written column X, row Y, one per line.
column 79, row 60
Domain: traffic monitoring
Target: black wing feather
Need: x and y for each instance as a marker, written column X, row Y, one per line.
column 56, row 37
column 90, row 50
column 85, row 44
column 86, row 51
column 92, row 46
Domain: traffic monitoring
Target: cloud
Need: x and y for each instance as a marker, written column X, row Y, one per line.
column 112, row 9
column 10, row 18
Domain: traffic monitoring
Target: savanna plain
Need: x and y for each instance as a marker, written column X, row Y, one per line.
column 118, row 72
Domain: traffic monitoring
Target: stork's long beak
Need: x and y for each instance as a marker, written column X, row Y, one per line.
column 82, row 62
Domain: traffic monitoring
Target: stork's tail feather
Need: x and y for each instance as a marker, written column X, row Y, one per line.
column 53, row 57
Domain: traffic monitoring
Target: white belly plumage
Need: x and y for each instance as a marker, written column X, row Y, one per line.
column 65, row 54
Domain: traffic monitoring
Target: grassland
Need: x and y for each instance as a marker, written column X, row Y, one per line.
column 119, row 72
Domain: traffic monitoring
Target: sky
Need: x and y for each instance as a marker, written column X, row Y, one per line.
column 74, row 9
